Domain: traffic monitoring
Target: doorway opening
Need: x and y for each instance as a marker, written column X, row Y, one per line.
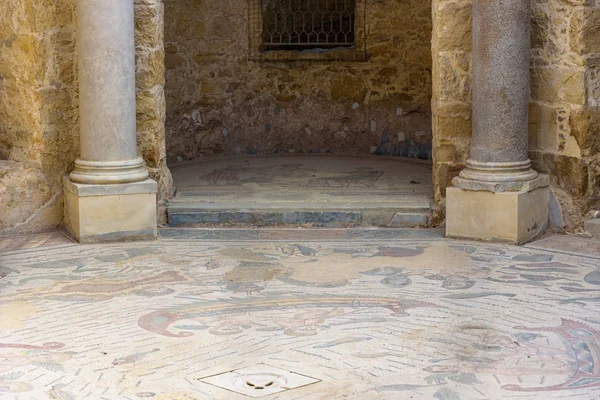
column 300, row 113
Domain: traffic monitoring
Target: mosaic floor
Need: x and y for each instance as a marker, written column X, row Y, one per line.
column 366, row 314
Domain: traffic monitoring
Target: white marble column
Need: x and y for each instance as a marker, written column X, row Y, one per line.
column 108, row 197
column 498, row 197
column 105, row 42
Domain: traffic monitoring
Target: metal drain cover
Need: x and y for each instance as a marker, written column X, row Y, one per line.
column 260, row 380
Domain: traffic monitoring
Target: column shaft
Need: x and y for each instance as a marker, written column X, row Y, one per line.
column 501, row 57
column 105, row 41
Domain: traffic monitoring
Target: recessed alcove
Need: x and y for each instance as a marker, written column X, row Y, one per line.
column 246, row 78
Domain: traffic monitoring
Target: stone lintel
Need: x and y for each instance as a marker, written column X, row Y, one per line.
column 513, row 217
column 541, row 181
column 110, row 213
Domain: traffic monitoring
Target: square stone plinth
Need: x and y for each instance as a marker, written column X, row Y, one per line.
column 514, row 217
column 107, row 213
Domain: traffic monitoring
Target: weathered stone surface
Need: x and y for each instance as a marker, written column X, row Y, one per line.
column 39, row 104
column 563, row 112
column 150, row 95
column 571, row 173
column 19, row 121
column 540, row 24
column 38, row 91
column 543, row 129
column 585, row 128
column 585, row 30
column 36, row 103
column 132, row 208
column 549, row 41
column 592, row 83
column 149, row 26
column 540, row 181
column 556, row 220
column 349, row 88
column 455, row 118
column 308, row 106
column 25, row 199
column 592, row 227
column 515, row 217
column 453, row 32
column 443, row 175
column 452, row 124
column 451, row 92
column 556, row 85
column 452, row 76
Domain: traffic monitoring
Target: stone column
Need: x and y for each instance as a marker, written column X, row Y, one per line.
column 498, row 196
column 107, row 94
column 500, row 82
column 108, row 195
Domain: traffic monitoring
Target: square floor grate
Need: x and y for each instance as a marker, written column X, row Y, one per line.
column 259, row 380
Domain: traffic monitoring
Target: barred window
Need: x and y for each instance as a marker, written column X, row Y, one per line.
column 291, row 30
column 307, row 24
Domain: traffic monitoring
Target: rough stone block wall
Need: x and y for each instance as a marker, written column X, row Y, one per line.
column 219, row 102
column 565, row 98
column 39, row 137
column 150, row 90
column 565, row 102
column 451, row 90
column 38, row 112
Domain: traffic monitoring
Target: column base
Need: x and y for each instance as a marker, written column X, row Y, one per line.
column 109, row 213
column 513, row 217
column 517, row 171
column 109, row 172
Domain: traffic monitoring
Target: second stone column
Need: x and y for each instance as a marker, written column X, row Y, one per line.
column 498, row 196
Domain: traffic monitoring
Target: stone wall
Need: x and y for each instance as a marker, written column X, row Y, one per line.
column 219, row 102
column 451, row 91
column 151, row 103
column 565, row 98
column 38, row 113
column 39, row 138
column 565, row 102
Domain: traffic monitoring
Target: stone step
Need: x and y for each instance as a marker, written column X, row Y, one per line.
column 274, row 198
column 299, row 208
column 192, row 216
column 302, row 191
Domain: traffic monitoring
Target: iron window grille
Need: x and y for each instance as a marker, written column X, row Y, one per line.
column 307, row 29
